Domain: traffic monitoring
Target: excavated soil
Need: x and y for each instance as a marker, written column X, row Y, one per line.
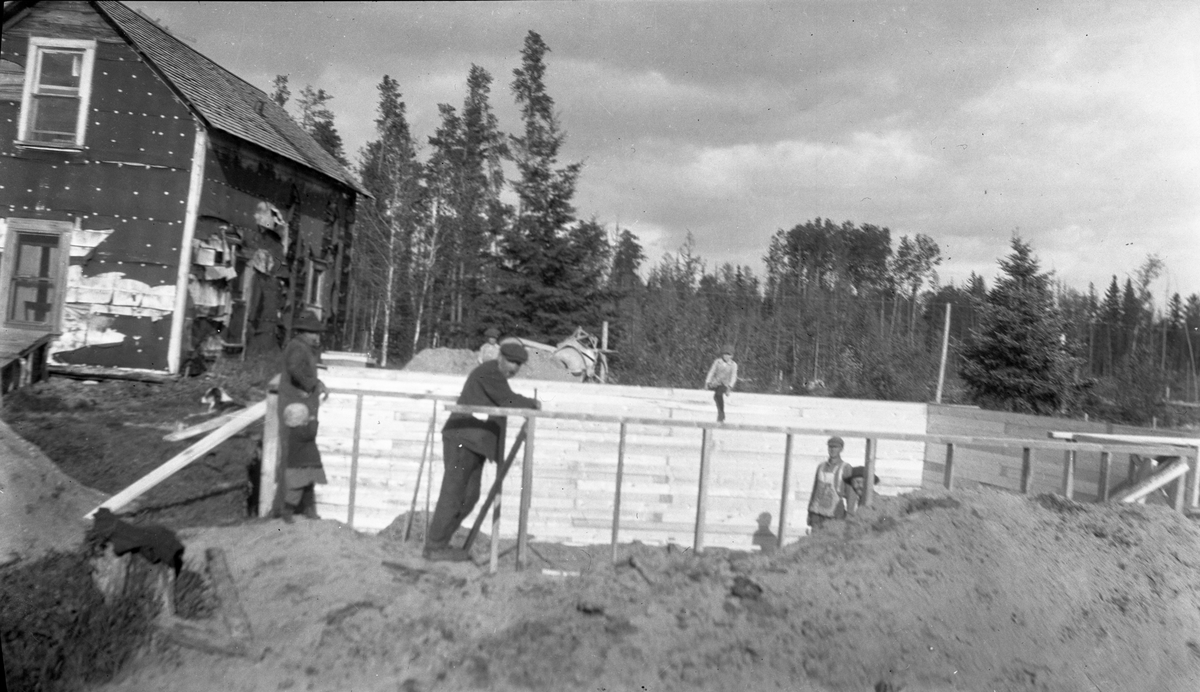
column 961, row 591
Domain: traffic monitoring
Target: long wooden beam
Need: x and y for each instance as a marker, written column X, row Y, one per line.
column 243, row 420
column 964, row 440
column 1153, row 482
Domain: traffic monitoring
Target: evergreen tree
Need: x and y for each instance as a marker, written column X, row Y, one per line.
column 1014, row 361
column 317, row 120
column 540, row 297
column 280, row 93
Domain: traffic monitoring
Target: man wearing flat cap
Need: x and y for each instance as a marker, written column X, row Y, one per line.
column 828, row 499
column 468, row 441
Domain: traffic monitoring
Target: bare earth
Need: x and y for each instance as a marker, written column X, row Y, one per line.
column 963, row 591
column 969, row 591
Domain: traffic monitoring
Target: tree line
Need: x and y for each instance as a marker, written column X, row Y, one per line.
column 451, row 244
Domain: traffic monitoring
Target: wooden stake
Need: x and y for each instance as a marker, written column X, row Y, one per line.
column 358, row 404
column 1068, row 474
column 702, row 491
column 948, row 476
column 1105, row 470
column 501, row 472
column 1026, row 469
column 787, row 490
column 616, row 526
column 425, row 450
column 526, row 493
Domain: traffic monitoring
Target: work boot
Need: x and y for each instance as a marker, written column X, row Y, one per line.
column 308, row 504
column 446, row 554
column 287, row 512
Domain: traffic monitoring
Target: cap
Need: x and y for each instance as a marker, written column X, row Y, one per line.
column 308, row 323
column 857, row 472
column 836, row 441
column 514, row 352
column 492, row 332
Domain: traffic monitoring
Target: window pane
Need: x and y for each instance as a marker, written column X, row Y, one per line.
column 37, row 255
column 61, row 69
column 53, row 119
column 33, row 301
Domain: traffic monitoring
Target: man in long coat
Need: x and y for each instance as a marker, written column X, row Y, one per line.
column 468, row 441
column 298, row 384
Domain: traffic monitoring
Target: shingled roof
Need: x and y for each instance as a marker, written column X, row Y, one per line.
column 223, row 100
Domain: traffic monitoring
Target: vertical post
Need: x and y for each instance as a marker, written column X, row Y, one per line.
column 1132, row 469
column 869, row 463
column 1178, row 489
column 358, row 403
column 616, row 527
column 948, row 477
column 1105, row 470
column 1069, row 474
column 702, row 492
column 1026, row 469
column 494, row 549
column 1194, row 494
column 267, row 487
column 602, row 356
column 787, row 488
column 942, row 369
column 526, row 493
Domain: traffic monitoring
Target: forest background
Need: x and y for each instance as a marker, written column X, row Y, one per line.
column 476, row 229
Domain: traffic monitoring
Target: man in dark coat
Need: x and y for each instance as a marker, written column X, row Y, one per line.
column 467, row 441
column 298, row 384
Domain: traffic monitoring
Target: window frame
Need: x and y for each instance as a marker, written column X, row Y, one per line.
column 33, row 61
column 61, row 230
column 314, row 284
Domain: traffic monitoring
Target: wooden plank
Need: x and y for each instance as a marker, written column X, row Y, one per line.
column 616, row 524
column 1068, row 485
column 526, row 494
column 210, row 424
column 948, row 475
column 1026, row 469
column 1105, row 469
column 1153, row 482
column 702, row 491
column 787, row 487
column 358, row 405
column 181, row 460
column 268, row 488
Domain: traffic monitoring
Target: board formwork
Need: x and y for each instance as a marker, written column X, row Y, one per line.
column 575, row 460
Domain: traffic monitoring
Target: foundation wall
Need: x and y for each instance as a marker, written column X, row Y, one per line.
column 575, row 462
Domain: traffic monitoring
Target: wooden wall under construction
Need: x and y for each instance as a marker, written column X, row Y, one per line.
column 575, row 461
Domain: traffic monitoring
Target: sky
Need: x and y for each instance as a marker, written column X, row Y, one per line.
column 1075, row 125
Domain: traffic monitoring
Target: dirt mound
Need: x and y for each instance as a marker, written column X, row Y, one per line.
column 41, row 508
column 542, row 365
column 968, row 591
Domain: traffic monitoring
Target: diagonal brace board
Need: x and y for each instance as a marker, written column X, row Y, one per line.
column 501, row 472
column 240, row 422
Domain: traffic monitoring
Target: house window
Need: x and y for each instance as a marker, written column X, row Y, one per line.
column 314, row 288
column 34, row 273
column 58, row 88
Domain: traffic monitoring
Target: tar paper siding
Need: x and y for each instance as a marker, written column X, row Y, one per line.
column 126, row 191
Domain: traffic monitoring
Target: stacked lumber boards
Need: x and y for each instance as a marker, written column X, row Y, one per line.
column 575, row 461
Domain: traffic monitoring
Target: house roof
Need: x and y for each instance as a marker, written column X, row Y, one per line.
column 223, row 100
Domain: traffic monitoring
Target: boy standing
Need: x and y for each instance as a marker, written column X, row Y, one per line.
column 828, row 500
column 721, row 378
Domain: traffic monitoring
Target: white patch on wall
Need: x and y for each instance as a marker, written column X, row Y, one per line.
column 83, row 241
column 94, row 302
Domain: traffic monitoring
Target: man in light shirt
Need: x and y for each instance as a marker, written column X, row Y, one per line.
column 721, row 378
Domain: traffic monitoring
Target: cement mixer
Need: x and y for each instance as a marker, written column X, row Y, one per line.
column 579, row 353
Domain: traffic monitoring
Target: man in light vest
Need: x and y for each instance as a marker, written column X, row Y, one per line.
column 828, row 500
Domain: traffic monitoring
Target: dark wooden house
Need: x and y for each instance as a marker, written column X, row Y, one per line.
column 154, row 207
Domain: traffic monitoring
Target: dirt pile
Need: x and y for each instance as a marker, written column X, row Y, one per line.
column 968, row 591
column 542, row 365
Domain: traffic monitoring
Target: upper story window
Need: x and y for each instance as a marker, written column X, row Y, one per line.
column 58, row 88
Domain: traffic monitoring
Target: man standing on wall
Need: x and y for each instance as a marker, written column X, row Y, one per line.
column 721, row 378
column 828, row 500
column 467, row 441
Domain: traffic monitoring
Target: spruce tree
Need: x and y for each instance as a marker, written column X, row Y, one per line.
column 1014, row 361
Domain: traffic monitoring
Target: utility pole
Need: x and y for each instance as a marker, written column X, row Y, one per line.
column 945, row 349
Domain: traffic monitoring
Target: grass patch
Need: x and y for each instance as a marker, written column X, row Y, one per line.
column 58, row 633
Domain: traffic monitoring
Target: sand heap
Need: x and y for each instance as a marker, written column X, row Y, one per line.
column 542, row 365
column 962, row 591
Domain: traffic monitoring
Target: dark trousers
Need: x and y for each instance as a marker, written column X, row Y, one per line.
column 719, row 397
column 460, row 492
